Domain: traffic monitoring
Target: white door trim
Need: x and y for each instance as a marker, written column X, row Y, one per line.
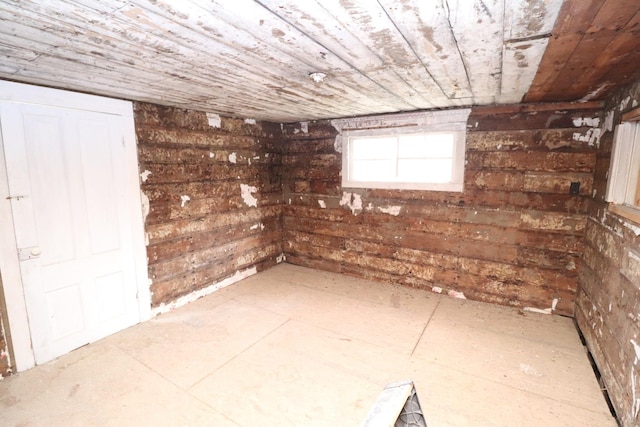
column 20, row 334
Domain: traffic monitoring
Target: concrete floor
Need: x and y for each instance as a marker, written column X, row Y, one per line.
column 298, row 347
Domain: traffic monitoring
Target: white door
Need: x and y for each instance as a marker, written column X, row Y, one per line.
column 68, row 189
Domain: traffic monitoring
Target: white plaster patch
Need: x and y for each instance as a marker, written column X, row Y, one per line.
column 304, row 127
column 246, row 191
column 233, row 157
column 634, row 228
column 592, row 137
column 436, row 289
column 624, row 103
column 456, row 294
column 608, row 121
column 145, row 175
column 391, row 210
column 369, row 207
column 322, row 204
column 636, row 401
column 636, row 348
column 550, row 310
column 249, row 121
column 239, row 275
column 214, row 120
column 353, row 201
column 595, row 92
column 145, row 206
column 530, row 370
column 183, row 200
column 586, row 121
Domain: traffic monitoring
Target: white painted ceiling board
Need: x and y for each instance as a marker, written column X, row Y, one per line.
column 252, row 58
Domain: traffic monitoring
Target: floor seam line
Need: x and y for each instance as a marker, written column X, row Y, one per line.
column 425, row 326
column 188, row 389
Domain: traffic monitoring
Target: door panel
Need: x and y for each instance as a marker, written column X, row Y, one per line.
column 67, row 182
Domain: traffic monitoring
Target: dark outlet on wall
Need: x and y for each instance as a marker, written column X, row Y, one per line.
column 574, row 188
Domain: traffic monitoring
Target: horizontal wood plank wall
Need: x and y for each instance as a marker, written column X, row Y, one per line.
column 513, row 237
column 214, row 195
column 608, row 302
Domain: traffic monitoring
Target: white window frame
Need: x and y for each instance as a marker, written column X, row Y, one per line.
column 623, row 192
column 445, row 121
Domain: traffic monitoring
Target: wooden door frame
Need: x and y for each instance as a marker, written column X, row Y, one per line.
column 18, row 332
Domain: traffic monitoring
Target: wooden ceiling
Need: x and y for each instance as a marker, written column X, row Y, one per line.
column 595, row 48
column 252, row 58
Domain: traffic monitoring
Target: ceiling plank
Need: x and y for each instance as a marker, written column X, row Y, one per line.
column 479, row 33
column 611, row 17
column 426, row 29
column 369, row 22
column 527, row 28
column 605, row 69
column 59, row 52
column 317, row 23
column 573, row 21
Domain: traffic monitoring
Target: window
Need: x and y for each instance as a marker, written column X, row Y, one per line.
column 423, row 151
column 623, row 188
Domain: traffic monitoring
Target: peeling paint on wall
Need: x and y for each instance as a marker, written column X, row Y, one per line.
column 624, row 103
column 239, row 275
column 145, row 206
column 145, row 175
column 592, row 137
column 281, row 258
column 249, row 121
column 246, row 191
column 353, row 201
column 214, row 120
column 256, row 226
column 586, row 121
column 183, row 200
column 322, row 204
column 233, row 157
column 391, row 210
column 549, row 310
column 636, row 348
column 608, row 121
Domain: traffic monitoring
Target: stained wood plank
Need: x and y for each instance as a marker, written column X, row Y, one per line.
column 426, row 28
column 527, row 27
column 481, row 48
column 611, row 49
column 574, row 19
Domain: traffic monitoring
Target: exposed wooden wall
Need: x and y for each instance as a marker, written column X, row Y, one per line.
column 513, row 237
column 214, row 196
column 608, row 302
column 6, row 367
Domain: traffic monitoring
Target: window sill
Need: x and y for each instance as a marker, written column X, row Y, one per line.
column 629, row 212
